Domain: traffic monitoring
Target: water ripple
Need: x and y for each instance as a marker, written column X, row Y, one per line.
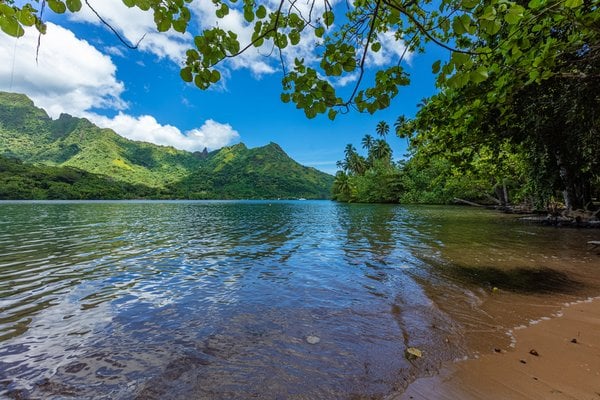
column 172, row 300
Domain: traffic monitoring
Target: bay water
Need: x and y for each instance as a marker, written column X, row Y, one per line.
column 266, row 299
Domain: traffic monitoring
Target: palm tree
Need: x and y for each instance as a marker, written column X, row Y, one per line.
column 367, row 142
column 399, row 126
column 382, row 129
column 357, row 164
column 348, row 151
column 382, row 150
column 341, row 187
column 403, row 129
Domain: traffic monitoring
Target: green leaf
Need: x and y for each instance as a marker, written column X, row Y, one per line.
column 319, row 32
column 57, row 6
column 376, row 47
column 479, row 75
column 534, row 4
column 26, row 18
column 491, row 27
column 328, row 18
column 215, row 76
column 281, row 41
column 222, row 11
column 460, row 59
column 248, row 15
column 11, row 26
column 180, row 26
column 294, row 37
column 143, row 5
column 261, row 12
column 74, row 5
column 331, row 114
column 163, row 25
column 469, row 4
column 129, row 3
column 461, row 25
column 186, row 74
column 514, row 14
column 573, row 3
column 435, row 68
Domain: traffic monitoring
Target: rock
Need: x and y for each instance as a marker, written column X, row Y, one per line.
column 311, row 339
column 534, row 353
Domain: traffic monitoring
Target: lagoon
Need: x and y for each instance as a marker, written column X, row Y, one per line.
column 224, row 299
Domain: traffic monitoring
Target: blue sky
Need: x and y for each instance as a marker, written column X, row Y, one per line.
column 85, row 71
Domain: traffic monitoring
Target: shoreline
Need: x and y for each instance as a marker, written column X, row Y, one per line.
column 555, row 357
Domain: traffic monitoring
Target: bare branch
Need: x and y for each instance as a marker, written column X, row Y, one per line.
column 364, row 55
column 128, row 45
column 426, row 32
column 39, row 41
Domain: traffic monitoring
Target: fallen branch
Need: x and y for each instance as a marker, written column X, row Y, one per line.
column 457, row 200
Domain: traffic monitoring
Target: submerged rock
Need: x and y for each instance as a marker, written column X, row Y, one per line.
column 311, row 339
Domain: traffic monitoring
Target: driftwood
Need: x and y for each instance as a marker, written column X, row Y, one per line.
column 492, row 198
column 457, row 200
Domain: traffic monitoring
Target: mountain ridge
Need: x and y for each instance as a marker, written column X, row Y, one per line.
column 27, row 133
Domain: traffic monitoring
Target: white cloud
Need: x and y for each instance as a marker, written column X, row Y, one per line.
column 346, row 79
column 73, row 77
column 115, row 51
column 390, row 52
column 70, row 76
column 211, row 134
column 134, row 24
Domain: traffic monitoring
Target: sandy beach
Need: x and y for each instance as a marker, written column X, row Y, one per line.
column 553, row 358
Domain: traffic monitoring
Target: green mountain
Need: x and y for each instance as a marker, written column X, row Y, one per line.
column 236, row 171
column 28, row 134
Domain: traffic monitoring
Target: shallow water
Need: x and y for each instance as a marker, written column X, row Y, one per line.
column 216, row 300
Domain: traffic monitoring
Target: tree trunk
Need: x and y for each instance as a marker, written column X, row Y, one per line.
column 574, row 199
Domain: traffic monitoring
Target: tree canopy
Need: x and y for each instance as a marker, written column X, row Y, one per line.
column 520, row 84
column 489, row 41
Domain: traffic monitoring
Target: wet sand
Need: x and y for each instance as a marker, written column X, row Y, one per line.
column 554, row 358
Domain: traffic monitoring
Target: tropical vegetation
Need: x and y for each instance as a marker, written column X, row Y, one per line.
column 42, row 155
column 518, row 104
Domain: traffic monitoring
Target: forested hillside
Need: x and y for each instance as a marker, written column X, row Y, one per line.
column 137, row 169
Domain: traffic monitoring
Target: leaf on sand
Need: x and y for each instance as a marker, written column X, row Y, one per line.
column 412, row 353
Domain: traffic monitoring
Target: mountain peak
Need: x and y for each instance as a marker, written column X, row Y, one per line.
column 228, row 173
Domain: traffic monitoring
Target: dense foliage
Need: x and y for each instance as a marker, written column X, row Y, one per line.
column 487, row 38
column 147, row 170
column 519, row 100
column 25, row 181
column 239, row 172
column 424, row 178
column 523, row 124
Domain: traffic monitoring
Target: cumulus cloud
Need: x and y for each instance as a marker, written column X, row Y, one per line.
column 211, row 134
column 134, row 24
column 391, row 51
column 70, row 75
column 73, row 77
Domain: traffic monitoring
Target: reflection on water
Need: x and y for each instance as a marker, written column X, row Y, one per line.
column 170, row 300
